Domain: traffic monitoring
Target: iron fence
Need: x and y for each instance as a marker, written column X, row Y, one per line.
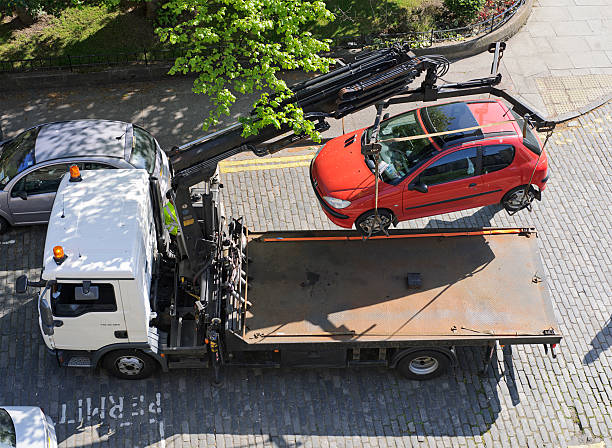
column 424, row 39
column 71, row 62
column 418, row 39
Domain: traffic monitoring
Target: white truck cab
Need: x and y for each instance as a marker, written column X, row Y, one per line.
column 98, row 261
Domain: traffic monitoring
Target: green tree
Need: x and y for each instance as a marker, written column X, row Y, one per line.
column 239, row 46
column 27, row 10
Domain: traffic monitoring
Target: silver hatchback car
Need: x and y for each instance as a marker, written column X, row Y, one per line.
column 32, row 164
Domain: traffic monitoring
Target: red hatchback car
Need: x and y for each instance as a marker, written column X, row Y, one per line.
column 436, row 174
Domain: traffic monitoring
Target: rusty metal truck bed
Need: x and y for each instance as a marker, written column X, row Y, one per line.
column 333, row 287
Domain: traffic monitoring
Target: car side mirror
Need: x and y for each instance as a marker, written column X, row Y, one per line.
column 418, row 186
column 20, row 194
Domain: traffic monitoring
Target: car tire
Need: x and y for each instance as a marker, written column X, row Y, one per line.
column 129, row 364
column 4, row 225
column 365, row 222
column 513, row 200
column 423, row 365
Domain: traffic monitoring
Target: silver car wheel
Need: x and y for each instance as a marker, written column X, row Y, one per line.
column 130, row 365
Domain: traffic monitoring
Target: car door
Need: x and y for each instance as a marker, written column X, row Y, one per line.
column 453, row 182
column 31, row 197
column 498, row 172
column 87, row 319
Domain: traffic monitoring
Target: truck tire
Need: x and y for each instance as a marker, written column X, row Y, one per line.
column 423, row 365
column 129, row 364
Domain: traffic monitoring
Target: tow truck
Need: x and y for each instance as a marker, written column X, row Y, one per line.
column 119, row 292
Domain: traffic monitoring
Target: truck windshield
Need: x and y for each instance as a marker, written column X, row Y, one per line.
column 398, row 159
column 143, row 150
column 17, row 155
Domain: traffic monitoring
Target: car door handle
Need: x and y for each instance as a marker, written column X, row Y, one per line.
column 472, row 185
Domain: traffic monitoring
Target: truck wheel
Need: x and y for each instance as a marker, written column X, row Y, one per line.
column 366, row 224
column 516, row 199
column 129, row 364
column 423, row 365
column 4, row 225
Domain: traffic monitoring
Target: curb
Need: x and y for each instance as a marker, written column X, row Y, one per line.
column 481, row 44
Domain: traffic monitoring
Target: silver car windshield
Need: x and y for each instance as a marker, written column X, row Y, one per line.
column 398, row 159
column 8, row 437
column 143, row 150
column 17, row 155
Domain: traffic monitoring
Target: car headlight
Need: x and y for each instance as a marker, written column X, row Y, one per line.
column 336, row 203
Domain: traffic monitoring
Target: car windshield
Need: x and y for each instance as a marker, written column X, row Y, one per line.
column 400, row 158
column 8, row 437
column 450, row 117
column 144, row 150
column 17, row 155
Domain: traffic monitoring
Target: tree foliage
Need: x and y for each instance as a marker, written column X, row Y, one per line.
column 240, row 46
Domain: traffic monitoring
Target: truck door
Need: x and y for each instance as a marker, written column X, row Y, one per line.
column 88, row 315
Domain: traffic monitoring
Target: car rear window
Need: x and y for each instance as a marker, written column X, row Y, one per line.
column 529, row 139
column 8, row 439
column 450, row 117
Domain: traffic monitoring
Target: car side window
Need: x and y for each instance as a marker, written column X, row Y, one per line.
column 43, row 180
column 496, row 157
column 455, row 166
column 73, row 299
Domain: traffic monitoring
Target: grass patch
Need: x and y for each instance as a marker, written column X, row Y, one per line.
column 78, row 31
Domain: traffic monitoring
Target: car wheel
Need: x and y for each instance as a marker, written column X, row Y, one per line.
column 129, row 364
column 516, row 199
column 368, row 225
column 423, row 365
column 4, row 225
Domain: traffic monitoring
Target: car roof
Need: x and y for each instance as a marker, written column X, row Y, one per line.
column 82, row 138
column 99, row 223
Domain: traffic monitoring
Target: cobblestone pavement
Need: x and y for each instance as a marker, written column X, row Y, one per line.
column 528, row 399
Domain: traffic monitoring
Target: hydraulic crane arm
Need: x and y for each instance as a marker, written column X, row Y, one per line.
column 378, row 78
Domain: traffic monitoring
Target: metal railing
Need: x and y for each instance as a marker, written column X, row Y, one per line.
column 424, row 39
column 418, row 39
column 71, row 63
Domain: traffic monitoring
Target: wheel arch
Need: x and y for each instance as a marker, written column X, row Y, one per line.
column 98, row 355
column 394, row 219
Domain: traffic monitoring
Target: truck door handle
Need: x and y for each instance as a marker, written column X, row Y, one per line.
column 121, row 334
column 472, row 185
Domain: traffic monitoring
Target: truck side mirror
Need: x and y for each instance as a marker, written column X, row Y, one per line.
column 21, row 284
column 385, row 116
column 418, row 186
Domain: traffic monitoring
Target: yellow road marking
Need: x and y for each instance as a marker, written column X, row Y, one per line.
column 263, row 161
column 274, row 166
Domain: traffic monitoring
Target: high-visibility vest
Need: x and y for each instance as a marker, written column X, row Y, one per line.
column 170, row 220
